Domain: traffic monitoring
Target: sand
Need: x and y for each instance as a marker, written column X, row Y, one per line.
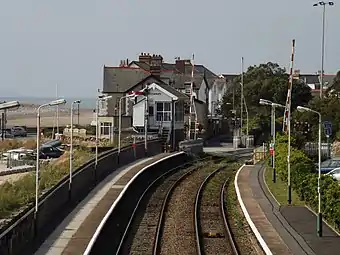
column 48, row 119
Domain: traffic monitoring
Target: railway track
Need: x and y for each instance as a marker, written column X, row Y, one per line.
column 140, row 233
column 213, row 233
column 163, row 219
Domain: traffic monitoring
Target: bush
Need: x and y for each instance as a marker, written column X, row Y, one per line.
column 21, row 193
column 305, row 180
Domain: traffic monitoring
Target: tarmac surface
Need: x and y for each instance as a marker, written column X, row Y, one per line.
column 296, row 225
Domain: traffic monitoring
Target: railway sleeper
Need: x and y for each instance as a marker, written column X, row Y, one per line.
column 213, row 234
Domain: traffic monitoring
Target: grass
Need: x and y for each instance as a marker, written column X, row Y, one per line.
column 16, row 195
column 279, row 189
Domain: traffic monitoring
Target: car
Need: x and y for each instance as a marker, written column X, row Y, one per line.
column 330, row 164
column 335, row 173
column 18, row 131
column 50, row 152
column 6, row 134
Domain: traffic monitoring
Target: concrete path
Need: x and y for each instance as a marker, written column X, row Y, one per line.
column 251, row 201
column 296, row 225
column 59, row 239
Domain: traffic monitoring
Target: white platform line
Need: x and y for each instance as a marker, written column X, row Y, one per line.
column 247, row 216
column 107, row 215
column 59, row 239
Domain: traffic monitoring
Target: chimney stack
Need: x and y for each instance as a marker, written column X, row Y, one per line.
column 156, row 64
column 180, row 65
column 145, row 58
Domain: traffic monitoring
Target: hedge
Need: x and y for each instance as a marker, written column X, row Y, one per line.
column 304, row 180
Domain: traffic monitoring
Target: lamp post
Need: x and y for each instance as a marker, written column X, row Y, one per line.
column 120, row 121
column 99, row 99
column 273, row 128
column 52, row 103
column 319, row 219
column 323, row 5
column 71, row 140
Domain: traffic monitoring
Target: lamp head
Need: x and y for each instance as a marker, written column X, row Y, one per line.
column 57, row 102
column 9, row 105
column 302, row 109
column 77, row 102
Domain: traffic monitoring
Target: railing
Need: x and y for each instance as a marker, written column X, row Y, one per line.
column 27, row 231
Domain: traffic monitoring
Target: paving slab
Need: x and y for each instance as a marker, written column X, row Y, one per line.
column 296, row 225
column 257, row 215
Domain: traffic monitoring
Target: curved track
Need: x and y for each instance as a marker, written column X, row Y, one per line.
column 212, row 230
column 139, row 235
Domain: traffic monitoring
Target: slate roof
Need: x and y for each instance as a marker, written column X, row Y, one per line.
column 175, row 92
column 121, row 79
column 315, row 79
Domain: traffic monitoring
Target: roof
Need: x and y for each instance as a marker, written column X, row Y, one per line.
column 121, row 79
column 173, row 91
column 177, row 79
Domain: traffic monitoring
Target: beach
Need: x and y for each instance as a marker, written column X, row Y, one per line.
column 26, row 115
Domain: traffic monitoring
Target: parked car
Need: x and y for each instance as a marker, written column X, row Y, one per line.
column 18, row 131
column 6, row 134
column 330, row 164
column 50, row 152
column 335, row 173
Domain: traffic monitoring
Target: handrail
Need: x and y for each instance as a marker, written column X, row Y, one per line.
column 46, row 195
column 109, row 212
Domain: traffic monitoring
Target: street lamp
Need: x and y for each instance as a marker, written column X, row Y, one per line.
column 9, row 105
column 71, row 140
column 273, row 105
column 319, row 220
column 52, row 103
column 99, row 99
column 323, row 5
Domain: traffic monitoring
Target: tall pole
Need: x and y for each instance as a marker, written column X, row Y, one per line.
column 57, row 109
column 37, row 161
column 319, row 220
column 191, row 97
column 97, row 110
column 71, row 146
column 146, row 123
column 241, row 113
column 274, row 137
column 288, row 117
column 322, row 49
column 78, row 114
column 119, row 123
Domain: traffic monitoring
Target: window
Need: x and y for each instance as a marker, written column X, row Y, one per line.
column 105, row 128
column 163, row 111
column 151, row 110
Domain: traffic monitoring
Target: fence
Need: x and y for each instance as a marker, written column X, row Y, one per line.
column 28, row 230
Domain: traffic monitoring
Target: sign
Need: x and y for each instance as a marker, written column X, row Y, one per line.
column 328, row 128
column 271, row 149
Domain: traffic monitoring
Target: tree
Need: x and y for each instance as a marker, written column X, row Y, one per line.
column 267, row 81
column 335, row 86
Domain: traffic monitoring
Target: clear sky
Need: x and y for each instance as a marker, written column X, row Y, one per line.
column 44, row 42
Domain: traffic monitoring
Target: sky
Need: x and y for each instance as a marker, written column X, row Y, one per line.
column 48, row 44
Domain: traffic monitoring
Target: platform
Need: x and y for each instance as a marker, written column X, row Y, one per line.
column 74, row 233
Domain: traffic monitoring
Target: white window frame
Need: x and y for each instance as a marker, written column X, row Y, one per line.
column 105, row 126
column 165, row 114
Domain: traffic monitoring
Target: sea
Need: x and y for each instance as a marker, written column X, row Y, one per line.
column 86, row 103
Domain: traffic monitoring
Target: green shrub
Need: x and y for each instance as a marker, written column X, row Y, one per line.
column 304, row 180
column 21, row 193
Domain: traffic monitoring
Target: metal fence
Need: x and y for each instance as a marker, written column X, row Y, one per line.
column 28, row 230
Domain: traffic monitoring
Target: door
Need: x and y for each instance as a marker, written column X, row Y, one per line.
column 151, row 112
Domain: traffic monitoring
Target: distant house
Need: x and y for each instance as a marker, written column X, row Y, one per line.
column 165, row 110
column 313, row 80
column 151, row 69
